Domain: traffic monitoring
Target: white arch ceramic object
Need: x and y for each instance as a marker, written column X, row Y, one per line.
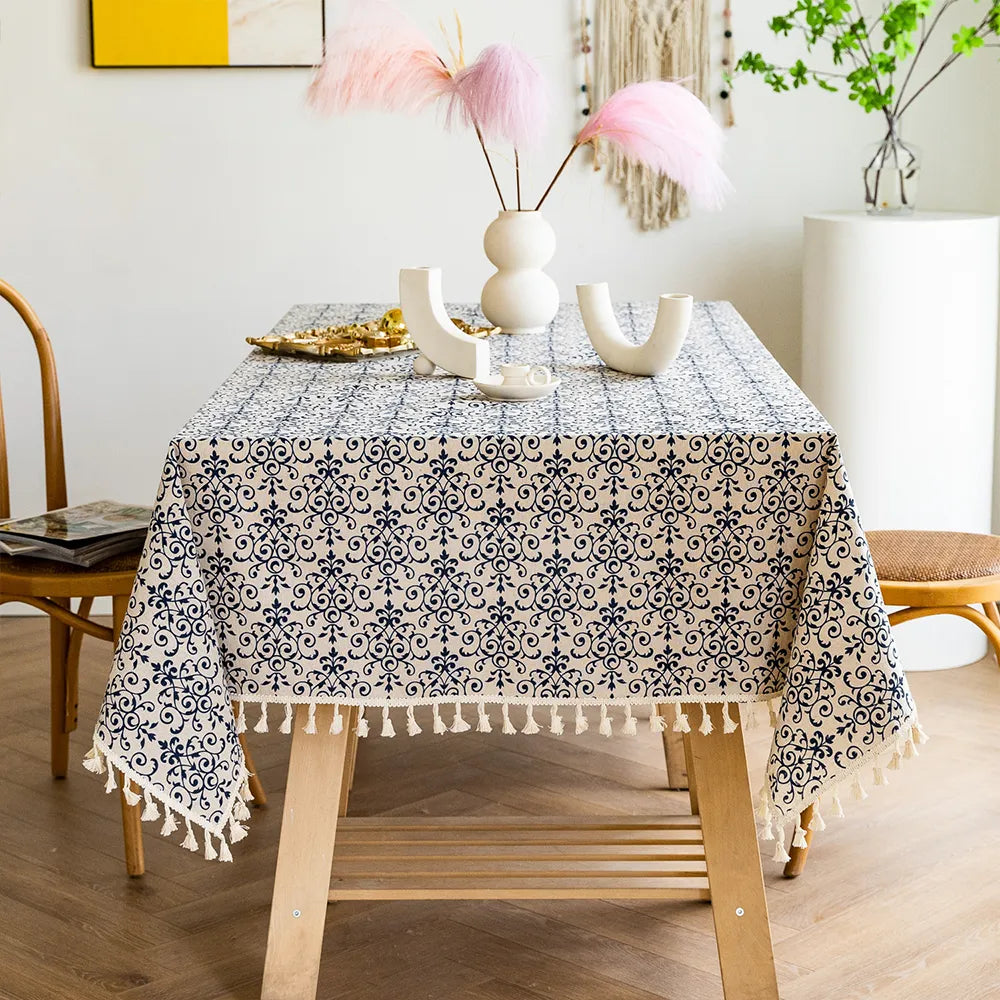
column 673, row 317
column 441, row 343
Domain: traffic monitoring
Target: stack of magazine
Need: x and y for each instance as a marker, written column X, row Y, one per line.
column 82, row 535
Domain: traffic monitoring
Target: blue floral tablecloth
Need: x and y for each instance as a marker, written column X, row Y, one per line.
column 350, row 533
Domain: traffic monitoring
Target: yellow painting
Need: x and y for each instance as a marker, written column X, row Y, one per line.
column 207, row 32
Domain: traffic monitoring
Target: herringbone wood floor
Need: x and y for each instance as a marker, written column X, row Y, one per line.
column 899, row 901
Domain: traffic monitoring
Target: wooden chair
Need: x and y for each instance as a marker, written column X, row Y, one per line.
column 930, row 573
column 51, row 586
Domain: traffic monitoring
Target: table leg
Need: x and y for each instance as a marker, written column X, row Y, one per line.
column 796, row 863
column 352, row 758
column 135, row 857
column 305, row 855
column 735, row 879
column 673, row 752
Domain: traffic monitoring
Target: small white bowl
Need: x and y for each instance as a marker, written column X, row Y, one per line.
column 494, row 388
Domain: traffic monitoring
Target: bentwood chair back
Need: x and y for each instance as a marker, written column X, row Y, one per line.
column 51, row 586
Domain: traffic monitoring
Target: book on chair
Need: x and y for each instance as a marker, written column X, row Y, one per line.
column 82, row 535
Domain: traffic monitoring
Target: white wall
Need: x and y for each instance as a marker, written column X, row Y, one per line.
column 157, row 217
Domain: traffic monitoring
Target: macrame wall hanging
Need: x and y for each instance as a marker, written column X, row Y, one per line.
column 636, row 40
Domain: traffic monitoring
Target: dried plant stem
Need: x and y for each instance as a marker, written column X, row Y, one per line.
column 489, row 163
column 562, row 167
column 517, row 176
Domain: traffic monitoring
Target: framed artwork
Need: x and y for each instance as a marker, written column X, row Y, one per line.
column 207, row 32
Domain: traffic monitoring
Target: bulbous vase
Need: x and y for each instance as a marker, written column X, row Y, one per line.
column 520, row 297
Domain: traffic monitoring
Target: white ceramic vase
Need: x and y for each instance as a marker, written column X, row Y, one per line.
column 520, row 297
column 673, row 317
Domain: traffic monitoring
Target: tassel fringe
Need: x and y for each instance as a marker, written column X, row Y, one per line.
column 388, row 730
column 508, row 726
column 311, row 721
column 412, row 728
column 286, row 722
column 629, row 725
column 458, row 724
column 555, row 722
column 483, row 725
column 241, row 719
column 605, row 727
column 681, row 724
column 657, row 724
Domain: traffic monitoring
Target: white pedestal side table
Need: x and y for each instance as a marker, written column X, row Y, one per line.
column 899, row 331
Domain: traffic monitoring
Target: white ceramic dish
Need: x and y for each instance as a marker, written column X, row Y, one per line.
column 494, row 388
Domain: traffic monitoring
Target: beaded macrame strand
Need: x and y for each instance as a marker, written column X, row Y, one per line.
column 636, row 40
column 728, row 54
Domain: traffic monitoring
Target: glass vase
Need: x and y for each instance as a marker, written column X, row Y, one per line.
column 892, row 175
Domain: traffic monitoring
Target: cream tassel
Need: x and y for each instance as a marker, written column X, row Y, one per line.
column 241, row 719
column 897, row 757
column 92, row 762
column 910, row 750
column 132, row 797
column 858, row 790
column 286, row 722
column 657, row 724
column 838, row 809
column 458, row 724
column 780, row 855
column 310, row 727
column 337, row 723
column 210, row 852
column 768, row 833
column 772, row 714
column 236, row 832
column 508, row 726
column 629, row 725
column 362, row 727
column 483, row 725
column 261, row 726
column 412, row 727
column 150, row 813
column 189, row 843
column 799, row 840
column 388, row 730
column 224, row 853
column 706, row 728
column 530, row 726
column 728, row 725
column 816, row 823
column 681, row 724
column 169, row 823
column 879, row 776
column 582, row 725
column 439, row 727
column 555, row 722
column 241, row 810
column 752, row 722
column 605, row 727
column 109, row 785
column 918, row 734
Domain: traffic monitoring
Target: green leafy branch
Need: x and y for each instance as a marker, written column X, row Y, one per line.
column 869, row 56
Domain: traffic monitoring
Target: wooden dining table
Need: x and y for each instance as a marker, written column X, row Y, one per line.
column 340, row 550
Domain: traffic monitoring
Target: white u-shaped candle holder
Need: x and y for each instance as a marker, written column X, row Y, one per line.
column 440, row 342
column 673, row 318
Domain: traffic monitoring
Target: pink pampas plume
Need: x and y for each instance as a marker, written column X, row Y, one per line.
column 505, row 94
column 378, row 58
column 665, row 127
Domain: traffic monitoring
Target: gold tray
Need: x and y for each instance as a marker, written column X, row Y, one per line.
column 355, row 341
